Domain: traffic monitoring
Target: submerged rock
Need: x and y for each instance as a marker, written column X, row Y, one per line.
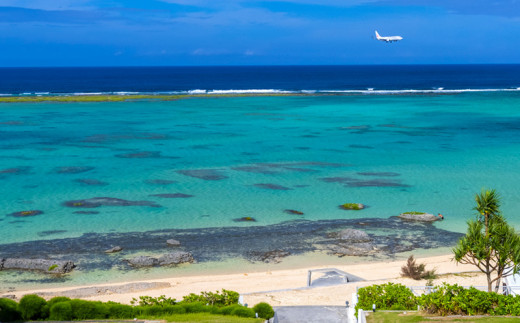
column 21, row 214
column 175, row 258
column 419, row 216
column 114, row 249
column 72, row 169
column 172, row 195
column 352, row 206
column 273, row 256
column 245, row 219
column 173, row 242
column 172, row 258
column 353, row 249
column 353, row 235
column 43, row 265
column 107, row 201
column 293, row 212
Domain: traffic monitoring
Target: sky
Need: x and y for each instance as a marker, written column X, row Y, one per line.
column 242, row 32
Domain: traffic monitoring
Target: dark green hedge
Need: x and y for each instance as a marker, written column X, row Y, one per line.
column 33, row 307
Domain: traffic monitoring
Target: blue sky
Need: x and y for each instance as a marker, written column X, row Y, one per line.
column 241, row 32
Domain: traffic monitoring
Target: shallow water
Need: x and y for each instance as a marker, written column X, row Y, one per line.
column 206, row 162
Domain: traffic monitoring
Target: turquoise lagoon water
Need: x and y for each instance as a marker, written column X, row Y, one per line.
column 255, row 156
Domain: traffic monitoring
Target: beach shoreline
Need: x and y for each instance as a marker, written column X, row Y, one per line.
column 277, row 286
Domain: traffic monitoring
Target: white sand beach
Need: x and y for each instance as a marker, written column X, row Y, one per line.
column 288, row 287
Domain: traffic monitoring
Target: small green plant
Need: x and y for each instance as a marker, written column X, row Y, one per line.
column 351, row 206
column 224, row 298
column 52, row 267
column 61, row 312
column 150, row 301
column 264, row 310
column 416, row 271
column 414, row 213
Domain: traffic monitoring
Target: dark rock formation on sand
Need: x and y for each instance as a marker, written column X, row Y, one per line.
column 352, row 242
column 44, row 265
column 273, row 256
column 172, row 258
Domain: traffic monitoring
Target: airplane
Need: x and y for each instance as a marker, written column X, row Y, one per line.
column 388, row 39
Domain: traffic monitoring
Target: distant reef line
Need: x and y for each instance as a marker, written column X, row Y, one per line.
column 137, row 97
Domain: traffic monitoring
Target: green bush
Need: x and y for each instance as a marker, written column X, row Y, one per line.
column 196, row 307
column 61, row 311
column 9, row 311
column 31, row 307
column 88, row 310
column 226, row 298
column 119, row 311
column 264, row 310
column 385, row 297
column 52, row 301
column 149, row 301
column 226, row 310
column 243, row 311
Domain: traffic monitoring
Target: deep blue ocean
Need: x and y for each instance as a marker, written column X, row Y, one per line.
column 277, row 78
column 79, row 178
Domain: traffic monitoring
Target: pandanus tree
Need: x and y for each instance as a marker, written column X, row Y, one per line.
column 492, row 246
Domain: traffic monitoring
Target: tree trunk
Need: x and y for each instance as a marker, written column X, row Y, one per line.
column 490, row 287
column 497, row 287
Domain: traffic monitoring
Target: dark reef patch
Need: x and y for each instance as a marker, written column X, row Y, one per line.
column 106, row 201
column 361, row 146
column 22, row 170
column 205, row 174
column 98, row 138
column 159, row 182
column 296, row 237
column 172, row 195
column 270, row 186
column 354, row 182
column 90, row 182
column 72, row 169
column 22, row 214
column 245, row 219
column 140, row 154
column 50, row 232
column 382, row 174
column 85, row 212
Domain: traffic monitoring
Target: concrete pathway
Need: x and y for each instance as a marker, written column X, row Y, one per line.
column 315, row 314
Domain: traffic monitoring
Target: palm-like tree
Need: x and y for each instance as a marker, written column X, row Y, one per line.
column 488, row 206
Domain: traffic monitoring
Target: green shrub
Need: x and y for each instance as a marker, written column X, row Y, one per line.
column 224, row 298
column 174, row 309
column 88, row 310
column 149, row 301
column 264, row 310
column 226, row 310
column 31, row 307
column 52, row 301
column 386, row 296
column 196, row 307
column 61, row 311
column 154, row 310
column 119, row 311
column 9, row 310
column 243, row 311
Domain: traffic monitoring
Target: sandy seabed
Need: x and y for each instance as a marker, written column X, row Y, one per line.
column 288, row 287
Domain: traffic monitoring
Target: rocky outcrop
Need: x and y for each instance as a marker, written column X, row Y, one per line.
column 172, row 258
column 352, row 206
column 353, row 235
column 418, row 216
column 173, row 242
column 175, row 258
column 43, row 265
column 143, row 261
column 273, row 256
column 352, row 249
column 114, row 249
column 352, row 242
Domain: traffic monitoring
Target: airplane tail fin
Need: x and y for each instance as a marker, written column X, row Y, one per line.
column 377, row 35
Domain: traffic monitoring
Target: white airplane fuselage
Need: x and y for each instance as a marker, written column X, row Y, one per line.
column 388, row 39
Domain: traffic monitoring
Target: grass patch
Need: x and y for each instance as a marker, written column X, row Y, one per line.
column 414, row 213
column 391, row 317
column 208, row 318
